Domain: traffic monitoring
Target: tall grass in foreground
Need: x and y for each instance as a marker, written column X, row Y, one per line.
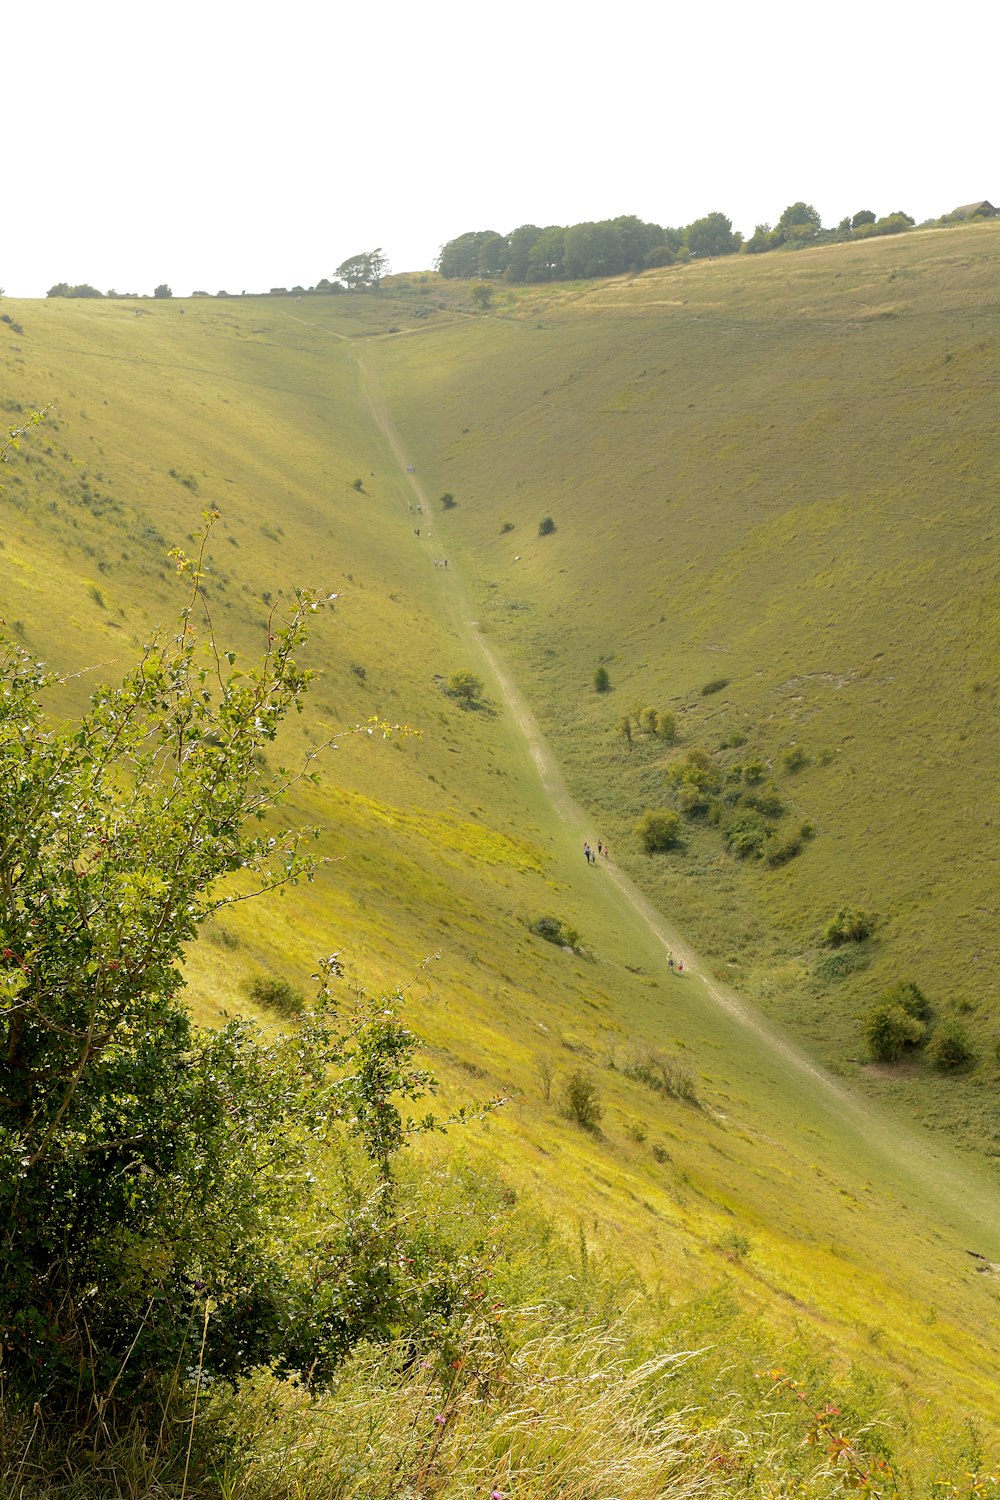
column 563, row 1415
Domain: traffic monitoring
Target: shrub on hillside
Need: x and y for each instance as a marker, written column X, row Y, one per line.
column 696, row 769
column 602, row 681
column 745, row 834
column 766, row 801
column 949, row 1047
column 850, row 925
column 794, row 758
column 448, row 501
column 910, row 996
column 888, row 1030
column 658, row 830
column 581, row 1101
column 752, row 771
column 276, row 994
column 466, row 687
column 546, row 526
column 151, row 1170
column 554, row 930
column 692, row 801
column 714, row 685
column 666, row 727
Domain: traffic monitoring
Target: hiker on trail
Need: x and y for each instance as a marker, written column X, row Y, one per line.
column 586, row 853
column 416, row 531
column 605, row 851
column 680, row 968
column 670, row 963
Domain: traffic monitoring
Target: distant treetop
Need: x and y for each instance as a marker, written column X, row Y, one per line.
column 615, row 247
column 363, row 271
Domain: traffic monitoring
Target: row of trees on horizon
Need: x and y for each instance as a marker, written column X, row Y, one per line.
column 594, row 248
column 611, row 247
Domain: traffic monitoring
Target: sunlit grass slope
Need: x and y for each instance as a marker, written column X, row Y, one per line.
column 777, row 476
column 775, row 1188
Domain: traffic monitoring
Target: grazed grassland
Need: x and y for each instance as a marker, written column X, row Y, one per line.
column 756, row 474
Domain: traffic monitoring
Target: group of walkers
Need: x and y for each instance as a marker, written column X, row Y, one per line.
column 676, row 966
column 439, row 562
column 589, row 854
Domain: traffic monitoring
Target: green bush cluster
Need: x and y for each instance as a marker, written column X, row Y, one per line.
column 150, row 1169
column 276, row 994
column 554, row 930
column 739, row 801
column 466, row 687
column 581, row 1101
column 896, row 1023
column 658, row 829
column 657, row 723
column 850, row 925
column 900, row 1022
column 949, row 1047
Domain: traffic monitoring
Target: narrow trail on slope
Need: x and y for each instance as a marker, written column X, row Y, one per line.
column 961, row 1191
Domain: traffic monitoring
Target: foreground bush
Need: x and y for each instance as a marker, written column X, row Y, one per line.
column 149, row 1169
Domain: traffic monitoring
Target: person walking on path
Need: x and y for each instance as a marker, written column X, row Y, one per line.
column 586, row 853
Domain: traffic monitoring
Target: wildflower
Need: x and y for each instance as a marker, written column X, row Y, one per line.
column 440, row 1419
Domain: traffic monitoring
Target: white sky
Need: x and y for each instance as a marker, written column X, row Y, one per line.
column 241, row 146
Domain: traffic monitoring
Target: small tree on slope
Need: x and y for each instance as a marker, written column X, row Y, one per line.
column 151, row 1172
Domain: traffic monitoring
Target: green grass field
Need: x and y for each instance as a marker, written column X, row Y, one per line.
column 779, row 472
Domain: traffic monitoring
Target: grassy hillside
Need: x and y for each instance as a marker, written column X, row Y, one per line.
column 775, row 478
column 768, row 1189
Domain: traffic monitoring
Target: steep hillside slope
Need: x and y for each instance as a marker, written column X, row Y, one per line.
column 765, row 1187
column 773, row 483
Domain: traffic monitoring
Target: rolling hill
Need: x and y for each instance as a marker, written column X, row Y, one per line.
column 774, row 479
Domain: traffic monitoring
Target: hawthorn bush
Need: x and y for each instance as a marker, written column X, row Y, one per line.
column 660, row 829
column 889, row 1030
column 152, row 1173
column 850, row 925
column 949, row 1047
